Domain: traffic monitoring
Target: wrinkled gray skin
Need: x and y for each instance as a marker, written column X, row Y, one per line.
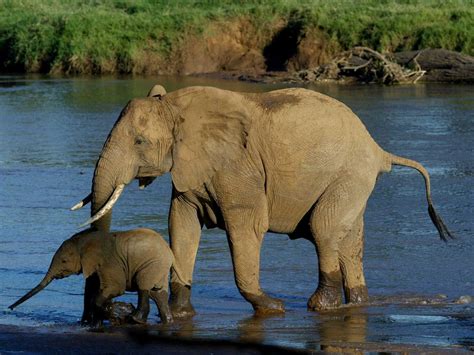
column 137, row 260
column 290, row 161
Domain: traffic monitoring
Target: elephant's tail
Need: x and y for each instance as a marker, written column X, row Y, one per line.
column 443, row 231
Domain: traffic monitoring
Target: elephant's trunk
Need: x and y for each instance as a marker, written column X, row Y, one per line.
column 47, row 279
column 110, row 173
column 107, row 208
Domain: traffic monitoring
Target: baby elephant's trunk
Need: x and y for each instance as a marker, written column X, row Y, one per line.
column 47, row 279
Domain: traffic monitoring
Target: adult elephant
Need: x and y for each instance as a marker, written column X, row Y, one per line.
column 288, row 161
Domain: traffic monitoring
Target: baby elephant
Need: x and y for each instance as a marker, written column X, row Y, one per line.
column 136, row 260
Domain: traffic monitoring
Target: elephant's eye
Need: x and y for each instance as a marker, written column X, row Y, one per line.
column 140, row 140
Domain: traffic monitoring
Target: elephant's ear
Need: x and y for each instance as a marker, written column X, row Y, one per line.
column 157, row 91
column 211, row 136
column 90, row 259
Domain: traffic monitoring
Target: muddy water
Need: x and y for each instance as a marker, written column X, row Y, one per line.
column 51, row 131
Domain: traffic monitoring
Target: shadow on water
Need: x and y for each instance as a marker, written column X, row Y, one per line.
column 51, row 131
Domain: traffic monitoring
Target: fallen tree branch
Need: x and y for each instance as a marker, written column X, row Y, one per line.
column 364, row 65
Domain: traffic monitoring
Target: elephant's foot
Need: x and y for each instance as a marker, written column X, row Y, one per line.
column 93, row 318
column 138, row 317
column 356, row 295
column 328, row 294
column 166, row 318
column 263, row 304
column 180, row 302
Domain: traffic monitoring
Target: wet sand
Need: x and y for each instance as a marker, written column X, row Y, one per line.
column 148, row 340
column 398, row 324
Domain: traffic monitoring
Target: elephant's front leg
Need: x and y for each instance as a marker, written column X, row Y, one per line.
column 185, row 233
column 101, row 303
column 91, row 290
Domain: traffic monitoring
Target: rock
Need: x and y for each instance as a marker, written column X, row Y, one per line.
column 119, row 312
column 464, row 300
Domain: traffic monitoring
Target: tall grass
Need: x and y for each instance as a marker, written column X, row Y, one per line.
column 93, row 36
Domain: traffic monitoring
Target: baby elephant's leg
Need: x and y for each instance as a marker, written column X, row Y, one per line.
column 102, row 301
column 160, row 296
column 140, row 315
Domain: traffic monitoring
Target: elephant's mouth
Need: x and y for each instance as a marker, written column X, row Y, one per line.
column 146, row 175
column 145, row 181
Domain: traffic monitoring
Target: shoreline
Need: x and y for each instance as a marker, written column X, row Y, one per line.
column 437, row 66
column 152, row 339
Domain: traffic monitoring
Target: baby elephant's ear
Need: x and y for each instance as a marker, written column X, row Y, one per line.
column 90, row 259
column 157, row 91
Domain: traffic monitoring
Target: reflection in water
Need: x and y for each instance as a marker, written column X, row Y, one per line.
column 252, row 329
column 348, row 325
column 330, row 331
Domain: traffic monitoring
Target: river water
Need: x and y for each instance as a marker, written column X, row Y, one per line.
column 51, row 131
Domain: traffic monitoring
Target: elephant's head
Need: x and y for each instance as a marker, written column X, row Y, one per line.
column 186, row 132
column 138, row 147
column 66, row 261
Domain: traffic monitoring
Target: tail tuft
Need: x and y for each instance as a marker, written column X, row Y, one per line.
column 443, row 231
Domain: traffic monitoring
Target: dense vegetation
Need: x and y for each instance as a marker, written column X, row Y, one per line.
column 98, row 36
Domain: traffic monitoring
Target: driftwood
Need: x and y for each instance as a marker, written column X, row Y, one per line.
column 440, row 65
column 363, row 64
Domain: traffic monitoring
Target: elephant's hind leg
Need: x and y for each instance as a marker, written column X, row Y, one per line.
column 140, row 315
column 333, row 218
column 351, row 250
column 160, row 297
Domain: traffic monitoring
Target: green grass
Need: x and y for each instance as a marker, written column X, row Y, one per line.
column 93, row 36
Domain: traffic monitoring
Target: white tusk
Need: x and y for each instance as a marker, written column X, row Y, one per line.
column 107, row 207
column 82, row 203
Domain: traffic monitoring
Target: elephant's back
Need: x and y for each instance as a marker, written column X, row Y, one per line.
column 140, row 246
column 306, row 142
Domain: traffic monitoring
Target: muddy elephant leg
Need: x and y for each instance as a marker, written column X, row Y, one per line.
column 332, row 219
column 140, row 315
column 91, row 290
column 351, row 251
column 160, row 297
column 185, row 233
column 101, row 301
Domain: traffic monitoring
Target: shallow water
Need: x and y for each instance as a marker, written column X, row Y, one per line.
column 51, row 131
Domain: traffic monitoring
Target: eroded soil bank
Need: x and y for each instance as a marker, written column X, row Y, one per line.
column 293, row 53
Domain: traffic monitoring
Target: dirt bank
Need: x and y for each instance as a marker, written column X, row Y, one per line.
column 363, row 65
column 294, row 53
column 239, row 46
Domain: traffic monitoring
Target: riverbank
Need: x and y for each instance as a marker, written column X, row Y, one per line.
column 366, row 66
column 190, row 37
